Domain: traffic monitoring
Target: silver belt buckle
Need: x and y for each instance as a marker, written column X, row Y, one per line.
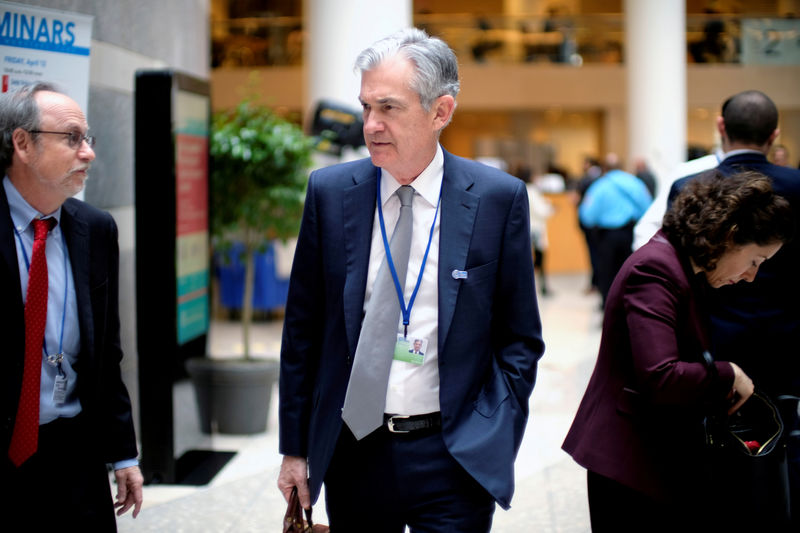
column 390, row 423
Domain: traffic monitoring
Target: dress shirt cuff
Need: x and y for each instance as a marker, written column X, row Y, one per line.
column 119, row 465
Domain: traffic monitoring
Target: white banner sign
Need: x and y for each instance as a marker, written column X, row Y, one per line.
column 39, row 44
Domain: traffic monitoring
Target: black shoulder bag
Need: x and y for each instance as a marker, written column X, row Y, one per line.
column 747, row 461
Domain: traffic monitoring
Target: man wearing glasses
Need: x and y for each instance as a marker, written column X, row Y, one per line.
column 64, row 410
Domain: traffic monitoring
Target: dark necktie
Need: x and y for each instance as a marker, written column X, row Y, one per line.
column 25, row 438
column 366, row 392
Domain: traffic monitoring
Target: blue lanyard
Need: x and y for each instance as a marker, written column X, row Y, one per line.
column 66, row 286
column 406, row 310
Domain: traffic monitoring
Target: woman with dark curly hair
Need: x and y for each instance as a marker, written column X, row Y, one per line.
column 638, row 430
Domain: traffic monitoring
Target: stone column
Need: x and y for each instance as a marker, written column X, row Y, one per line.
column 335, row 33
column 655, row 57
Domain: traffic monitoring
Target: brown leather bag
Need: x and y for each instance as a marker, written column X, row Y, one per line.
column 293, row 521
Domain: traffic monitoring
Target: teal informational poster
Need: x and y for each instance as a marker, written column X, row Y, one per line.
column 191, row 177
column 40, row 44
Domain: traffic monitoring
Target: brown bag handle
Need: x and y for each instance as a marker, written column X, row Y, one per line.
column 293, row 519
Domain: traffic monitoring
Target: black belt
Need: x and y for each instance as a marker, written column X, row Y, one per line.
column 407, row 424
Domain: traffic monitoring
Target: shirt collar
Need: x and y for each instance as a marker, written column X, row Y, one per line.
column 428, row 184
column 740, row 152
column 22, row 213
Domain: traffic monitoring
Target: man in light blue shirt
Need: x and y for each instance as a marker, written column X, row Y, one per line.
column 610, row 209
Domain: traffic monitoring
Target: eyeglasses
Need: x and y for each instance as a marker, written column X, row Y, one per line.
column 74, row 138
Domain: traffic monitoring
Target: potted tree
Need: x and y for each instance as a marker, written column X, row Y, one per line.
column 258, row 176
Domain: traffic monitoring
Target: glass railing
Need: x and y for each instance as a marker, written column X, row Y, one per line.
column 751, row 39
column 567, row 40
column 507, row 39
column 257, row 41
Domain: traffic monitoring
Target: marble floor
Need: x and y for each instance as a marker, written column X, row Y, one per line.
column 550, row 494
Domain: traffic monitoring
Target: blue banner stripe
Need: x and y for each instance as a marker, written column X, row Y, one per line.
column 49, row 47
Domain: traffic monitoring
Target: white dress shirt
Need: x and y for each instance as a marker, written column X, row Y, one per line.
column 650, row 223
column 414, row 389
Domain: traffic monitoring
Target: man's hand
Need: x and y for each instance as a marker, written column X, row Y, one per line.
column 294, row 473
column 129, row 490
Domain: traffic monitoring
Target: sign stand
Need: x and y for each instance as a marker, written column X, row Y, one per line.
column 172, row 258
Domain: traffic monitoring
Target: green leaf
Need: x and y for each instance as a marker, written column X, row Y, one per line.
column 259, row 172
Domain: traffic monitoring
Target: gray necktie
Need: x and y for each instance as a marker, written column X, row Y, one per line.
column 366, row 391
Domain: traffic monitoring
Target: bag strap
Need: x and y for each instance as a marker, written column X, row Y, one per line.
column 715, row 417
column 308, row 518
column 293, row 520
column 708, row 359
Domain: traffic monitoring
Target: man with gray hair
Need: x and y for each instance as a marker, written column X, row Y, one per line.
column 402, row 439
column 64, row 410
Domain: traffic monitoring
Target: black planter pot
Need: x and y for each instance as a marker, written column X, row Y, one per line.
column 233, row 396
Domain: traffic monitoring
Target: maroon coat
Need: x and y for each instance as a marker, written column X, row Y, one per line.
column 640, row 420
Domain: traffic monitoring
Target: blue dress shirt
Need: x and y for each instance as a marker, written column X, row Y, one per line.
column 62, row 330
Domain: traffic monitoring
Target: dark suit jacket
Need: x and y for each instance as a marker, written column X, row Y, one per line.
column 639, row 419
column 489, row 329
column 757, row 325
column 91, row 237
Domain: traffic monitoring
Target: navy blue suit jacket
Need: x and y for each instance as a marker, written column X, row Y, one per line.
column 91, row 237
column 757, row 325
column 489, row 329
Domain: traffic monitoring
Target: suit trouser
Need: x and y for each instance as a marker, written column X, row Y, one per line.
column 387, row 481
column 613, row 246
column 591, row 247
column 616, row 508
column 64, row 486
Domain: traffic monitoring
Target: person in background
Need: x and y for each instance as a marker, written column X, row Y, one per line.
column 780, row 156
column 428, row 444
column 638, row 430
column 718, row 44
column 65, row 410
column 540, row 210
column 612, row 205
column 591, row 171
column 643, row 172
column 757, row 325
column 553, row 181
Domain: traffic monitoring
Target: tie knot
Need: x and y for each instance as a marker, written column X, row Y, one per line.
column 41, row 226
column 406, row 193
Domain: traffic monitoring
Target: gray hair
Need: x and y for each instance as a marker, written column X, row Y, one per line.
column 19, row 110
column 436, row 72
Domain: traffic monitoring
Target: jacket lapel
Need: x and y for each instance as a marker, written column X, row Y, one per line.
column 13, row 313
column 459, row 208
column 8, row 248
column 357, row 238
column 76, row 233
